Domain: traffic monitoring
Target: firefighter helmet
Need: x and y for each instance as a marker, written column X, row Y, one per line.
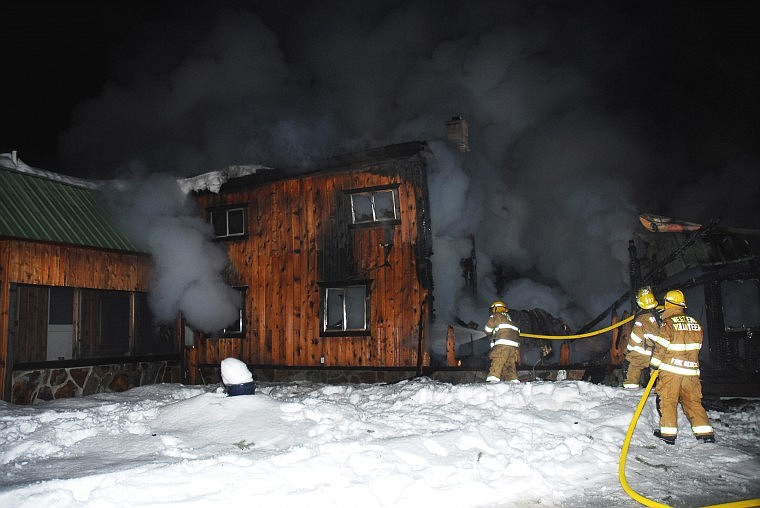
column 499, row 306
column 675, row 297
column 645, row 299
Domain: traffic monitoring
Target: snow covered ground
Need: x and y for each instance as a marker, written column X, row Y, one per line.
column 409, row 444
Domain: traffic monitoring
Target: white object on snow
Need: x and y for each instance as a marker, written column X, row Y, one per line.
column 235, row 372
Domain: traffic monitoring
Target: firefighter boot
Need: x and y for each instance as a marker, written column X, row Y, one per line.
column 706, row 438
column 671, row 440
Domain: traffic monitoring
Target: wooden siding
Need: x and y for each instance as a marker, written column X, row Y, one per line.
column 33, row 311
column 48, row 264
column 62, row 265
column 299, row 235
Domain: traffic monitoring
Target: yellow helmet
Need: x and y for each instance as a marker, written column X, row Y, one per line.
column 675, row 297
column 498, row 304
column 645, row 299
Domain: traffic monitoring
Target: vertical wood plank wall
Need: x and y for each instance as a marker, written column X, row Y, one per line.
column 299, row 236
column 64, row 265
column 45, row 264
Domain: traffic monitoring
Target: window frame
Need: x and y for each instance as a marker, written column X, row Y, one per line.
column 225, row 332
column 325, row 290
column 373, row 192
column 243, row 209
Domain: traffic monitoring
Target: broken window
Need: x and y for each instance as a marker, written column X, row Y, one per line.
column 374, row 205
column 228, row 222
column 345, row 308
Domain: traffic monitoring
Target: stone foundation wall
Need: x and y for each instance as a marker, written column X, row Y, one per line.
column 39, row 385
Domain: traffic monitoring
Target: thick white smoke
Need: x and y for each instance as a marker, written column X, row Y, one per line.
column 187, row 265
column 561, row 162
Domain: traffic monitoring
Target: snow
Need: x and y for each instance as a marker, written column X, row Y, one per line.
column 413, row 443
column 213, row 180
column 13, row 162
column 235, row 372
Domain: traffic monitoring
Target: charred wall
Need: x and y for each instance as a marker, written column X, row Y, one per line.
column 300, row 238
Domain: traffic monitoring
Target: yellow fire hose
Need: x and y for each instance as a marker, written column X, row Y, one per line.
column 582, row 335
column 624, row 452
column 748, row 503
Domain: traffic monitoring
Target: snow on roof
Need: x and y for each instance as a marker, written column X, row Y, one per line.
column 12, row 162
column 213, row 180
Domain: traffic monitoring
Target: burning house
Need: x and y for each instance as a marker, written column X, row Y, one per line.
column 333, row 266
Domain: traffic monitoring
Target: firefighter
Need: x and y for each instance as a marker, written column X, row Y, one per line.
column 505, row 343
column 646, row 329
column 676, row 356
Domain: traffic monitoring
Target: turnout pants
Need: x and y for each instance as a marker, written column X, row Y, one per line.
column 504, row 360
column 636, row 363
column 672, row 388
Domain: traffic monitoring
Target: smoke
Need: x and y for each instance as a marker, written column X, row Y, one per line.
column 569, row 136
column 186, row 273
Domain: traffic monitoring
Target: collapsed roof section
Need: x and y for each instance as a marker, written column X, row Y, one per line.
column 668, row 247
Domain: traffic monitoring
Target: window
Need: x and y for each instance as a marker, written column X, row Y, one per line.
column 61, row 310
column 237, row 327
column 372, row 206
column 345, row 309
column 228, row 222
column 114, row 324
column 60, row 324
column 66, row 323
column 741, row 304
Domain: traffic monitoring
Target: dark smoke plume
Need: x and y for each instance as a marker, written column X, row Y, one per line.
column 581, row 115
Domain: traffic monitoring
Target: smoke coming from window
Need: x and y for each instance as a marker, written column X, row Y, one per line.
column 187, row 265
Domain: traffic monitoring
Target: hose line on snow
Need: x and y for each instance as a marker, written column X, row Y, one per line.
column 747, row 503
column 624, row 452
column 581, row 335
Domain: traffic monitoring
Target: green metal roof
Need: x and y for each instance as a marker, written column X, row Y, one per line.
column 33, row 207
